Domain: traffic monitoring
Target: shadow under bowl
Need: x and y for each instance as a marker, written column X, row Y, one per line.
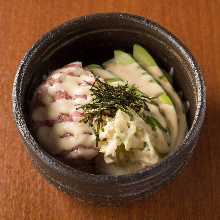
column 92, row 39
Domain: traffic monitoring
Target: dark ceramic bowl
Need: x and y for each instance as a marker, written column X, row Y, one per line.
column 92, row 39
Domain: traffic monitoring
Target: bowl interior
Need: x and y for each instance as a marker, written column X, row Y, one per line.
column 93, row 40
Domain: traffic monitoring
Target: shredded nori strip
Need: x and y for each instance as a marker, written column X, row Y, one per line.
column 107, row 99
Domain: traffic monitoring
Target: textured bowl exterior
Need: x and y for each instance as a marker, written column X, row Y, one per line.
column 122, row 30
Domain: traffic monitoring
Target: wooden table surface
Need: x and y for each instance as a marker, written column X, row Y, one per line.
column 195, row 194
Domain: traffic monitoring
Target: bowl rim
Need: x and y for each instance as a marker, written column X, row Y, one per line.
column 68, row 170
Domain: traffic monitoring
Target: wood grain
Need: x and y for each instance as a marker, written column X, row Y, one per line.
column 195, row 194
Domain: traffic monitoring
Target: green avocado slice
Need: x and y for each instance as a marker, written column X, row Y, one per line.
column 143, row 57
column 125, row 67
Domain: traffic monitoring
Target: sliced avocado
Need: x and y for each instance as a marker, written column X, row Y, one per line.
column 148, row 63
column 123, row 58
column 165, row 99
column 99, row 71
column 94, row 66
column 109, row 77
column 142, row 56
column 125, row 66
